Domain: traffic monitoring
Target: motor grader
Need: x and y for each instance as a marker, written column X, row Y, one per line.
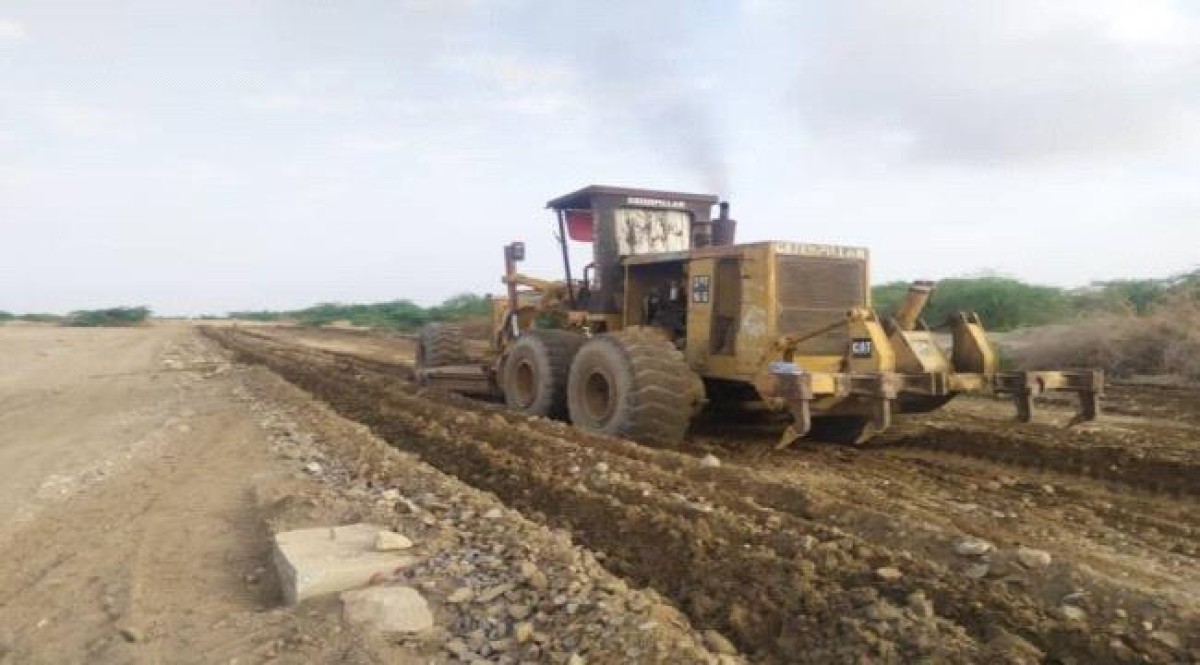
column 672, row 315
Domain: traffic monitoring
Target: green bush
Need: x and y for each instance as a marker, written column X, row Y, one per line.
column 397, row 314
column 463, row 306
column 1002, row 302
column 6, row 316
column 1005, row 303
column 41, row 318
column 261, row 315
column 114, row 317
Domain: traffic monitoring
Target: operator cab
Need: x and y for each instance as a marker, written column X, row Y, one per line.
column 619, row 223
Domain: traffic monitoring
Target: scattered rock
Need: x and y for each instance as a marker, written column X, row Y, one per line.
column 1073, row 613
column 710, row 461
column 977, row 571
column 388, row 609
column 314, row 468
column 601, row 467
column 461, row 595
column 718, row 643
column 1167, row 638
column 576, row 659
column 522, row 632
column 973, row 547
column 1074, row 598
column 920, row 605
column 493, row 514
column 889, row 574
column 390, row 541
column 495, row 592
column 1031, row 558
column 132, row 635
column 519, row 612
column 458, row 648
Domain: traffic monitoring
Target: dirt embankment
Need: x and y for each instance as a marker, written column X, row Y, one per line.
column 922, row 550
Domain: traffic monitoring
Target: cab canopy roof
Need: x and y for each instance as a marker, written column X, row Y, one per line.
column 582, row 198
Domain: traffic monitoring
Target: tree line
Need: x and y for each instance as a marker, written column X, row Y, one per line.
column 1005, row 303
column 398, row 314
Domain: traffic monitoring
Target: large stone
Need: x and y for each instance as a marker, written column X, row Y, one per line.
column 889, row 574
column 1031, row 558
column 316, row 562
column 387, row 609
column 973, row 547
column 718, row 643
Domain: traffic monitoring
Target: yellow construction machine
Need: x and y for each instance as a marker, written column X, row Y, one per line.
column 671, row 315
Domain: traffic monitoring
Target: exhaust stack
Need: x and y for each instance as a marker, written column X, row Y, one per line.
column 724, row 229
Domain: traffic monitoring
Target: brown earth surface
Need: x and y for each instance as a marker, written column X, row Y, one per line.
column 142, row 475
column 825, row 553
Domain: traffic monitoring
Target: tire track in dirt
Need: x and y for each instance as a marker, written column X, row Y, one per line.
column 1093, row 454
column 786, row 587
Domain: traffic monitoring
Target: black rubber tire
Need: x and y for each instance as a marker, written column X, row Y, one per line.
column 441, row 345
column 536, row 370
column 632, row 384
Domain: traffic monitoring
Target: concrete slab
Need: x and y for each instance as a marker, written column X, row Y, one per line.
column 324, row 560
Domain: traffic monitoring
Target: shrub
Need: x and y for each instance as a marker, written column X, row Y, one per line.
column 1002, row 302
column 112, row 317
column 1166, row 341
column 41, row 318
column 262, row 315
column 397, row 314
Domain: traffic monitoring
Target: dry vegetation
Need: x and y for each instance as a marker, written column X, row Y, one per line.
column 1165, row 341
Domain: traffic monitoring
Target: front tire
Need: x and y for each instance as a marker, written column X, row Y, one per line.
column 633, row 384
column 536, row 372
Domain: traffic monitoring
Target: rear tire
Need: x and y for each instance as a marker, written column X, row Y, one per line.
column 441, row 345
column 536, row 372
column 633, row 384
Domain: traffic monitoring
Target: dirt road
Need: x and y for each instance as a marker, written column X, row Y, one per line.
column 143, row 475
column 962, row 537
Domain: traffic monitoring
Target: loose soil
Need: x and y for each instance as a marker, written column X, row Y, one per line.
column 144, row 474
column 832, row 554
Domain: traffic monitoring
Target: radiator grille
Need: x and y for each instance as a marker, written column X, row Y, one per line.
column 816, row 292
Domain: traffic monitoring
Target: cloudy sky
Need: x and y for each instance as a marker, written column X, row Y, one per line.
column 208, row 156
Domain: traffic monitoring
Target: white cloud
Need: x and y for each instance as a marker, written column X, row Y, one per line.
column 541, row 104
column 11, row 31
column 996, row 83
column 286, row 103
column 15, row 177
column 510, row 71
column 84, row 121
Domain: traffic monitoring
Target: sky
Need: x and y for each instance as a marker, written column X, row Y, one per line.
column 203, row 157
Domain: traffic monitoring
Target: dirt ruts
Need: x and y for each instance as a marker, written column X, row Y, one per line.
column 748, row 554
